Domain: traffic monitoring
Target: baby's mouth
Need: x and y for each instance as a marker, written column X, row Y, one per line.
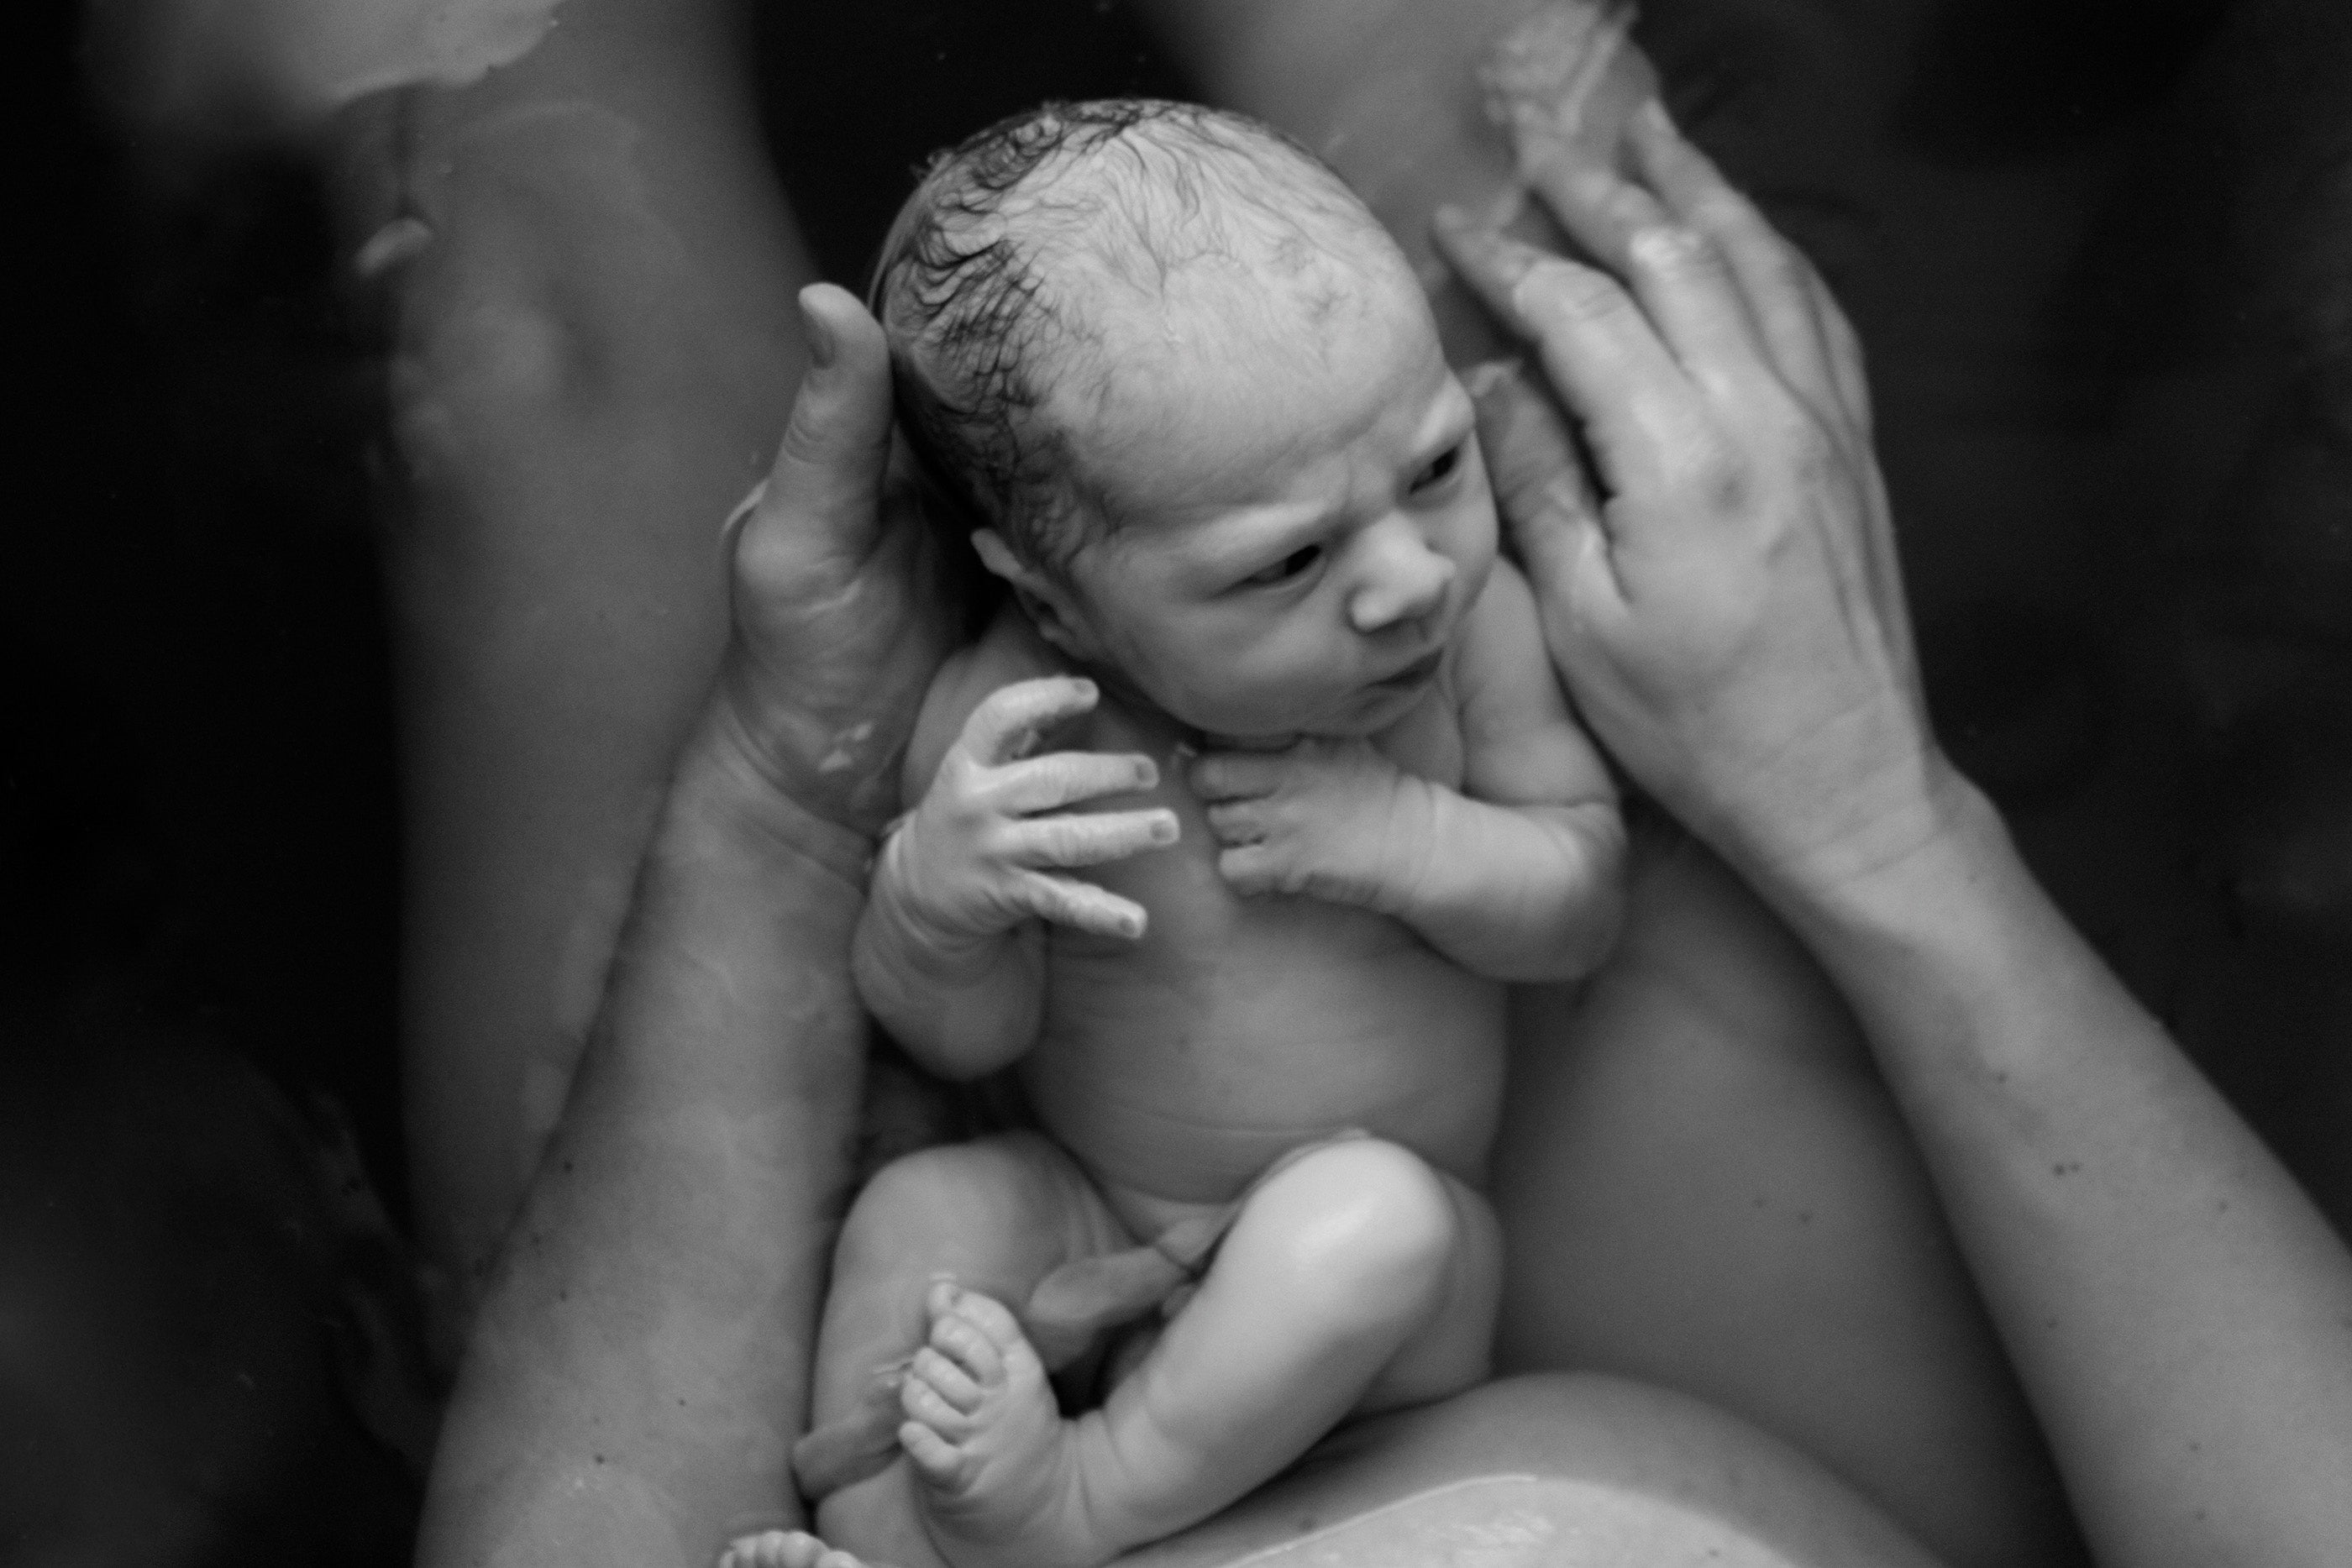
column 1414, row 673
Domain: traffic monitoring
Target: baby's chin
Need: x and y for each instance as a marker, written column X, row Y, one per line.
column 1359, row 716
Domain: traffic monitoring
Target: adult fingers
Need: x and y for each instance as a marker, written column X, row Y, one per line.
column 823, row 493
column 1555, row 520
column 1596, row 345
column 1680, row 276
column 1780, row 293
column 1066, row 778
column 1008, row 721
column 1848, row 370
column 1090, row 840
column 1066, row 901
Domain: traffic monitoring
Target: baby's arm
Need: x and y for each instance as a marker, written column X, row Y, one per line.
column 949, row 954
column 1517, row 876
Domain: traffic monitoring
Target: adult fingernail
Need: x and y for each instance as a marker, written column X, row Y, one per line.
column 821, row 345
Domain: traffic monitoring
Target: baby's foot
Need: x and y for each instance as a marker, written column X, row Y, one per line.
column 995, row 1463
column 785, row 1549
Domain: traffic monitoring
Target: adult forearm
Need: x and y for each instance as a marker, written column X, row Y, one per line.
column 638, row 1370
column 2180, row 1313
column 1386, row 91
column 587, row 276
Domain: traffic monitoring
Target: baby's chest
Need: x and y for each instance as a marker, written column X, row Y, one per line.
column 1181, row 886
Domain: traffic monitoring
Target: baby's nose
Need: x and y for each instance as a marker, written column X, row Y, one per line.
column 1402, row 579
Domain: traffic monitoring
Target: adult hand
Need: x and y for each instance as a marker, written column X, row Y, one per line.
column 1726, row 606
column 837, row 621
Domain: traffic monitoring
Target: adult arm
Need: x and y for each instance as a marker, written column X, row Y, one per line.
column 1731, row 621
column 1389, row 92
column 638, row 1369
column 1702, row 1179
column 586, row 271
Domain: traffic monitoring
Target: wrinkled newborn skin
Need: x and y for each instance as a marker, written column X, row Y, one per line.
column 1153, row 1062
column 1336, row 800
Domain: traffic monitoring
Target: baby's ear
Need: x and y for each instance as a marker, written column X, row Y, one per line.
column 1047, row 603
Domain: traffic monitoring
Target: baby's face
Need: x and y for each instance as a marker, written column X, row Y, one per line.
column 1304, row 515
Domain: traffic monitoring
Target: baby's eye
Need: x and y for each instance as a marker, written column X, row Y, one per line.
column 1296, row 562
column 1441, row 467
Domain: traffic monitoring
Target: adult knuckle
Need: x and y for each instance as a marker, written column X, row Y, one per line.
column 1560, row 293
column 1724, row 209
column 1671, row 252
column 1811, row 456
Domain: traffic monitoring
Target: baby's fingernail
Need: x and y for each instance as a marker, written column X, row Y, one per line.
column 1082, row 687
column 1146, row 773
column 1163, row 828
column 1130, row 925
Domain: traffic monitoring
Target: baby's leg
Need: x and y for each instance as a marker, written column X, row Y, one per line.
column 998, row 1215
column 1357, row 1278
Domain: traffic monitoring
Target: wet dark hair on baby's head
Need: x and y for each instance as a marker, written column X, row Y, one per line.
column 989, row 281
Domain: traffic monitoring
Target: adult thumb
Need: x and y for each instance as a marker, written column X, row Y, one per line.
column 826, row 485
column 1540, row 484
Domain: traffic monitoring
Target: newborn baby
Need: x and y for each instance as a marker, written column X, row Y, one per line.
column 1244, row 935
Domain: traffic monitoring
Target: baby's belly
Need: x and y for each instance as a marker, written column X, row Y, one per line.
column 1178, row 1068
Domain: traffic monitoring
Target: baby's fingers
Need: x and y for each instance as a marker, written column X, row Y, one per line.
column 1005, row 727
column 1089, row 839
column 1066, row 778
column 1237, row 775
column 1081, row 905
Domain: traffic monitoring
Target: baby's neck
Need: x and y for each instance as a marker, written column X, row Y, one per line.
column 1143, row 710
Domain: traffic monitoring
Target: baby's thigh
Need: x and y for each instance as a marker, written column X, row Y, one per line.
column 998, row 1214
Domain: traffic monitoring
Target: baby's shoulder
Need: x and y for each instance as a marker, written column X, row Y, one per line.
column 1010, row 650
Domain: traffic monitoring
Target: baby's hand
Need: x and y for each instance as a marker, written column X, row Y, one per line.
column 1328, row 819
column 968, row 863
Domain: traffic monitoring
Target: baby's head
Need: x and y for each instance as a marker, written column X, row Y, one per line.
column 1191, row 396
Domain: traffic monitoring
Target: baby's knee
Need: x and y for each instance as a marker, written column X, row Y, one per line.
column 915, row 1196
column 929, row 1210
column 1374, row 1230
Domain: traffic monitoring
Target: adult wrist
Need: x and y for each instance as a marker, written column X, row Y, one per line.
column 720, row 790
column 1912, row 864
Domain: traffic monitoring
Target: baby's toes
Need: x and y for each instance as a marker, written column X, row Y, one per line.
column 946, row 1379
column 920, row 1401
column 997, row 1326
column 785, row 1549
column 962, row 1345
column 936, row 1461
